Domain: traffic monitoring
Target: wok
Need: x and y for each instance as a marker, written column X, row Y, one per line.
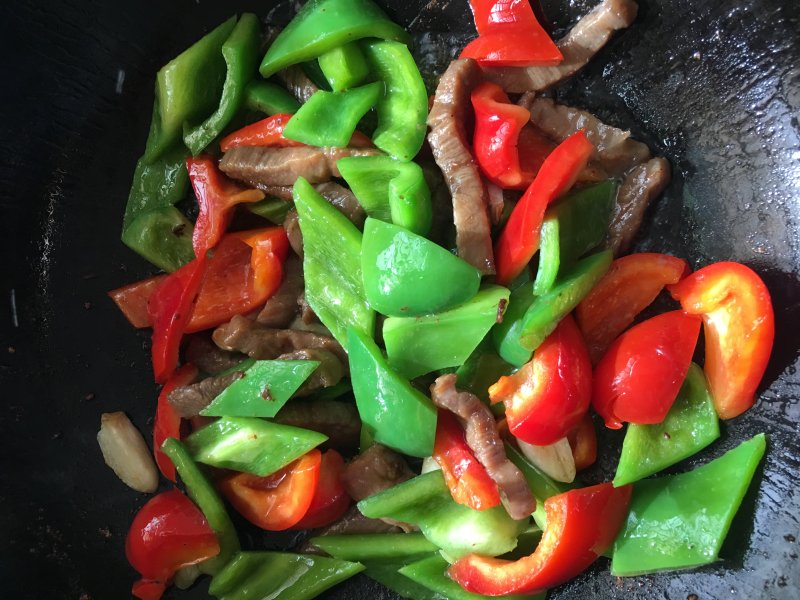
column 712, row 84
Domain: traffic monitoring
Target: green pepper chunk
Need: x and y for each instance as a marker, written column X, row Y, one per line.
column 163, row 236
column 390, row 190
column 188, row 89
column 332, row 265
column 376, row 546
column 680, row 521
column 481, row 370
column 690, row 426
column 387, row 574
column 240, row 52
column 406, row 275
column 322, row 25
column 398, row 415
column 205, row 496
column 330, row 118
column 279, row 576
column 403, row 110
column 418, row 345
column 272, row 209
column 344, row 67
column 264, row 389
column 425, row 501
column 269, row 98
column 251, row 445
column 506, row 333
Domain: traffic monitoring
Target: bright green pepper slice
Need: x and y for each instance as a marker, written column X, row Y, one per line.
column 251, row 445
column 397, row 414
column 332, row 265
column 269, row 98
column 481, row 370
column 506, row 333
column 266, row 386
column 690, row 426
column 330, row 118
column 322, row 25
column 680, row 521
column 418, row 345
column 344, row 67
column 406, row 275
column 403, row 110
column 376, row 546
column 390, row 190
column 163, row 236
column 387, row 574
column 240, row 52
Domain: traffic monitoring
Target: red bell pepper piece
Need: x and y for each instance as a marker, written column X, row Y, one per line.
column 583, row 442
column 739, row 326
column 167, row 422
column 509, row 35
column 170, row 309
column 270, row 247
column 278, row 501
column 549, row 395
column 467, row 479
column 216, row 197
column 519, row 239
column 330, row 499
column 498, row 123
column 630, row 285
column 267, row 132
column 581, row 525
column 639, row 377
column 132, row 300
column 168, row 533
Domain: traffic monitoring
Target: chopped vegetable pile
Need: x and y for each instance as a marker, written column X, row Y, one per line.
column 397, row 320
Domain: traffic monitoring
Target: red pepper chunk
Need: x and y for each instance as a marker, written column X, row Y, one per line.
column 639, row 377
column 549, row 395
column 330, row 499
column 168, row 533
column 519, row 239
column 739, row 325
column 498, row 123
column 581, row 525
column 267, row 132
column 167, row 422
column 132, row 300
column 467, row 479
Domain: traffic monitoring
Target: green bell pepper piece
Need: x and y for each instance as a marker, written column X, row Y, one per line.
column 425, row 501
column 387, row 574
column 279, row 576
column 332, row 265
column 481, row 370
column 376, row 546
column 163, row 236
column 272, row 209
column 690, row 426
column 188, row 89
column 344, row 67
column 549, row 260
column 680, row 521
column 506, row 333
column 406, row 275
column 251, row 445
column 418, row 345
column 403, row 110
column 202, row 492
column 399, row 416
column 269, row 98
column 322, row 25
column 240, row 52
column 264, row 389
column 330, row 118
column 390, row 190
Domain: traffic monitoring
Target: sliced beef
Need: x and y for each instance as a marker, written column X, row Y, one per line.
column 281, row 308
column 339, row 196
column 307, row 315
column 588, row 36
column 282, row 166
column 291, row 225
column 189, row 400
column 448, row 140
column 329, row 372
column 484, row 440
column 208, row 357
column 336, row 419
column 376, row 469
column 264, row 343
column 298, row 83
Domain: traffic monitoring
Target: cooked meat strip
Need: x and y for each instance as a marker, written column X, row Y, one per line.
column 291, row 225
column 298, row 83
column 336, row 419
column 329, row 372
column 264, row 343
column 208, row 357
column 307, row 314
column 376, row 469
column 640, row 186
column 484, row 440
column 189, row 400
column 583, row 41
column 448, row 140
column 281, row 308
column 282, row 166
column 339, row 196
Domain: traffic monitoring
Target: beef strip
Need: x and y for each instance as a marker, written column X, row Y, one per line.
column 448, row 140
column 189, row 400
column 282, row 166
column 208, row 357
column 583, row 41
column 291, row 225
column 264, row 343
column 307, row 315
column 376, row 469
column 281, row 308
column 298, row 83
column 336, row 419
column 339, row 196
column 484, row 440
column 329, row 372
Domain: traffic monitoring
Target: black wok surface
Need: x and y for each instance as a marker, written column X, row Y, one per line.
column 712, row 84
